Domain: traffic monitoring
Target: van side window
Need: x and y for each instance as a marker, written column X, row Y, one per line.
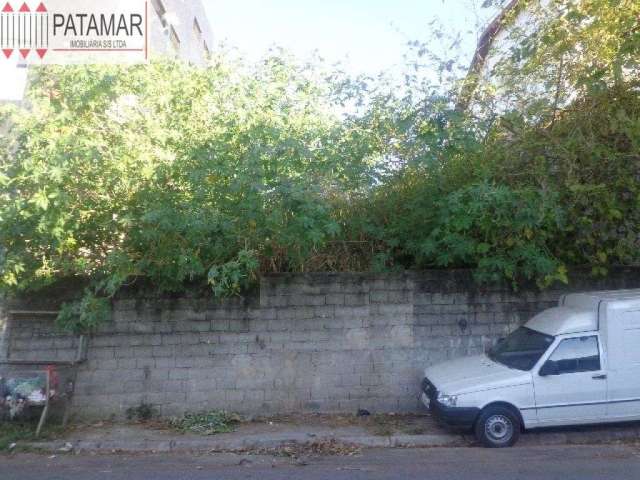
column 574, row 355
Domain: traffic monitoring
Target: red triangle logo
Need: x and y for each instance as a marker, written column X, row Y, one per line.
column 41, row 8
column 7, row 52
column 24, row 7
column 24, row 52
column 7, row 8
column 41, row 52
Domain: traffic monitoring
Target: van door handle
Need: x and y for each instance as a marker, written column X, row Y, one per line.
column 601, row 376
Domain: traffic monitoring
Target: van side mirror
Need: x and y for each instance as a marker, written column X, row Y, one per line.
column 549, row 368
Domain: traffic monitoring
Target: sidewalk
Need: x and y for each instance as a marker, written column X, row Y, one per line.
column 323, row 434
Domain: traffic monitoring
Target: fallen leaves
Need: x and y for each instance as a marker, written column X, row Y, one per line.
column 317, row 448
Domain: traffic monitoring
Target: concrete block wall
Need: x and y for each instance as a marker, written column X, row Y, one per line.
column 33, row 337
column 317, row 342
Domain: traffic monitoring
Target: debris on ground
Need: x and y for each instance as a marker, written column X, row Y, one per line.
column 317, row 448
column 66, row 448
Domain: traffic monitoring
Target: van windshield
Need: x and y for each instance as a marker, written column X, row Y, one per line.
column 522, row 349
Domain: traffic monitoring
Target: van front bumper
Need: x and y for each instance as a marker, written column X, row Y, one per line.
column 454, row 416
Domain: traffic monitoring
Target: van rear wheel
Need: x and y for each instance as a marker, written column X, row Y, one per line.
column 497, row 427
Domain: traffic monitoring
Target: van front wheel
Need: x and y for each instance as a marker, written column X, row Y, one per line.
column 497, row 427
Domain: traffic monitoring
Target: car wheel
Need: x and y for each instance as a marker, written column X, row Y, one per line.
column 497, row 427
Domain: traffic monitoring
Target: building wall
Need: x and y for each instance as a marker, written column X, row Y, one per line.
column 321, row 342
column 180, row 15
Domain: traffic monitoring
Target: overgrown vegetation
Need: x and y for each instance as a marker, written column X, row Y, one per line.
column 13, row 433
column 178, row 175
column 206, row 423
column 142, row 413
column 85, row 315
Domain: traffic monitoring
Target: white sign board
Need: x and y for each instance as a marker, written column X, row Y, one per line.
column 67, row 32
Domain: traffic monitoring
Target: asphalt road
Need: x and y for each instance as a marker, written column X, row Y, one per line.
column 522, row 463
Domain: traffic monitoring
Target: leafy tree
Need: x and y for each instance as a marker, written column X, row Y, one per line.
column 519, row 168
column 540, row 171
column 172, row 174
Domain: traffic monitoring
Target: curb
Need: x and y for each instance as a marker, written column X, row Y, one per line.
column 248, row 443
column 267, row 442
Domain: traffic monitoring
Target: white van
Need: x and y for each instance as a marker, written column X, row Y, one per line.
column 578, row 363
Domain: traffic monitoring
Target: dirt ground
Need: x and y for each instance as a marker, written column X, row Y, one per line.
column 374, row 424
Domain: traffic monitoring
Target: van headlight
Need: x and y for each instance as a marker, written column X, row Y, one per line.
column 447, row 400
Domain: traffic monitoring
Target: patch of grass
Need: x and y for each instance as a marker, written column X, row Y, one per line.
column 24, row 431
column 206, row 423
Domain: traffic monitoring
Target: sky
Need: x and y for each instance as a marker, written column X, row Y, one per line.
column 366, row 36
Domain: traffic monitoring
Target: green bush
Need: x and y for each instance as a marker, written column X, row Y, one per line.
column 206, row 423
column 176, row 176
column 173, row 174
